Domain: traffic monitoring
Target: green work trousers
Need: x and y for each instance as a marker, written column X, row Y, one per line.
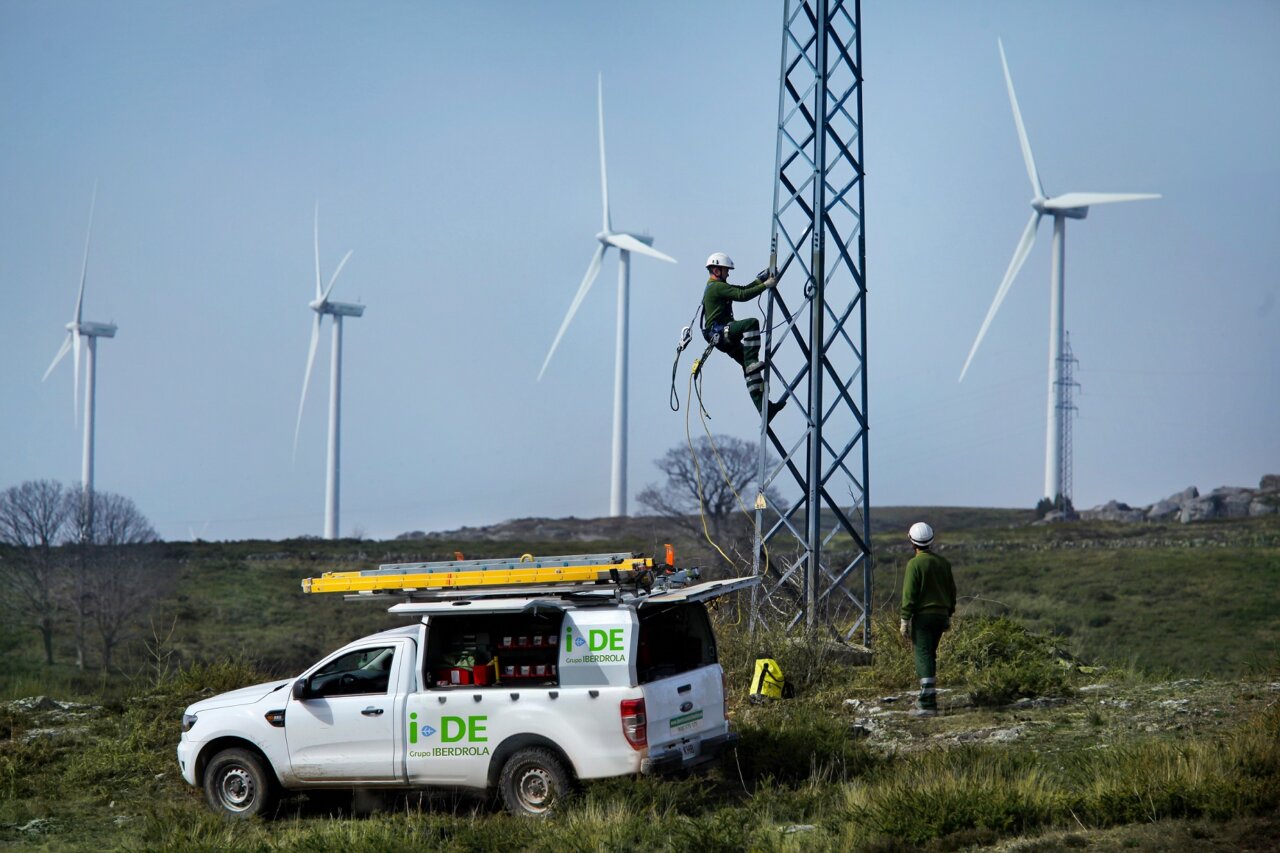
column 926, row 632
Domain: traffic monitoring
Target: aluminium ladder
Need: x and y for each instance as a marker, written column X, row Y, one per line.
column 497, row 577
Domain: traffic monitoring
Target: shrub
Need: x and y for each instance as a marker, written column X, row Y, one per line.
column 1001, row 660
column 787, row 742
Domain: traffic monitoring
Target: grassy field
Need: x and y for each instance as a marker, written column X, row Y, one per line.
column 1175, row 744
column 1197, row 761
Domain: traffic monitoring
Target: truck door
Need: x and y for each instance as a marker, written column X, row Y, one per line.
column 343, row 731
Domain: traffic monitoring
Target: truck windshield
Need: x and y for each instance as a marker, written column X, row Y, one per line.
column 674, row 639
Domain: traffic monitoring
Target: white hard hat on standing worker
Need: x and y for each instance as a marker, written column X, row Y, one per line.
column 921, row 534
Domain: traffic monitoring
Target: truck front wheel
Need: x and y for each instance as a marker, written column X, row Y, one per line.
column 238, row 784
column 533, row 782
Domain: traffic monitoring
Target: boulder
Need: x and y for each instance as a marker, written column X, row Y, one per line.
column 1259, row 506
column 1114, row 511
column 1164, row 510
column 1237, row 505
column 1269, row 483
column 1200, row 509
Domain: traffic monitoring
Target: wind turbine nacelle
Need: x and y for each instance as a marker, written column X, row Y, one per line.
column 1041, row 206
column 95, row 330
column 604, row 236
column 344, row 309
column 338, row 309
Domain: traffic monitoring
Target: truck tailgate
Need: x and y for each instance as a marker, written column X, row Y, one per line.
column 685, row 708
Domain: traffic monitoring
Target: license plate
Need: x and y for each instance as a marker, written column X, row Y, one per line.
column 689, row 749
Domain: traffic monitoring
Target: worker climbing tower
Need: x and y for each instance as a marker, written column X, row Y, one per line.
column 814, row 555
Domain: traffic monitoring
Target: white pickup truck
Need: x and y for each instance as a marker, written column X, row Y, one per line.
column 525, row 694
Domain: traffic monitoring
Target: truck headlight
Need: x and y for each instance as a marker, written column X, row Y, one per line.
column 188, row 720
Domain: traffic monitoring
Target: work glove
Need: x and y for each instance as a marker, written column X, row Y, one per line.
column 770, row 282
column 904, row 626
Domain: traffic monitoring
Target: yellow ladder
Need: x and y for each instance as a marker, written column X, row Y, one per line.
column 457, row 574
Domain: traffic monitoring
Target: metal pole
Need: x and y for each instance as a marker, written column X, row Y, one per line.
column 1053, row 436
column 86, row 468
column 335, row 407
column 618, row 482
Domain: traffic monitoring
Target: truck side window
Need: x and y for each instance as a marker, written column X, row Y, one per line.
column 362, row 671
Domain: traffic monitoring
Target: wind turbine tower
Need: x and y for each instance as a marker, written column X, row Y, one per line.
column 1061, row 208
column 79, row 328
column 322, row 305
column 625, row 243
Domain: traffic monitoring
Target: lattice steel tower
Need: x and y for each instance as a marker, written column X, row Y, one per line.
column 814, row 555
column 1066, row 413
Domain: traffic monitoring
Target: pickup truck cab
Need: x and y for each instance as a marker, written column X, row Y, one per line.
column 525, row 694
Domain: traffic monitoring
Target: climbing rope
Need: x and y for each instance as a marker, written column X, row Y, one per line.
column 695, row 387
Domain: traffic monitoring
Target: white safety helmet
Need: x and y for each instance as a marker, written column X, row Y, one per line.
column 720, row 259
column 921, row 535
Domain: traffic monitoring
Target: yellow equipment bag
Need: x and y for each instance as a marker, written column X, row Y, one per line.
column 767, row 683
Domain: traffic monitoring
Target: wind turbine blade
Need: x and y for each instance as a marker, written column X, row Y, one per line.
column 1022, row 131
column 1019, row 256
column 84, row 266
column 306, row 380
column 317, row 243
column 334, row 280
column 631, row 244
column 62, row 352
column 593, row 270
column 1070, row 200
column 604, row 173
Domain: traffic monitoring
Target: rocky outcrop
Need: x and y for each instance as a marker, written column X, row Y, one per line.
column 1115, row 511
column 1189, row 505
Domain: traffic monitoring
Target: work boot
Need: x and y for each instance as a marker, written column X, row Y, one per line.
column 918, row 711
column 774, row 408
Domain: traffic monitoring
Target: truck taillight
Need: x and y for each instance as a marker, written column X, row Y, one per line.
column 634, row 723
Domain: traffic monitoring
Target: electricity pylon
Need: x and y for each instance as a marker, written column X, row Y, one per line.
column 814, row 556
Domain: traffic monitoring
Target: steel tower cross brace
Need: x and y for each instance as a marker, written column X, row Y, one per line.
column 814, row 555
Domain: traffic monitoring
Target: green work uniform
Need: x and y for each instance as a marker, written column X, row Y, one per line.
column 739, row 339
column 928, row 600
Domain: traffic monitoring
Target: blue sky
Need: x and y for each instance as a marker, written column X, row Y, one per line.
column 452, row 147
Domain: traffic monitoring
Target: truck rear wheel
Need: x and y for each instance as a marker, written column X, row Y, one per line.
column 238, row 784
column 534, row 782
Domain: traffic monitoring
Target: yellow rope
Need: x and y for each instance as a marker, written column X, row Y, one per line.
column 702, row 500
column 724, row 472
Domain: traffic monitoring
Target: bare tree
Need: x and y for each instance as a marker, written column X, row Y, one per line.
column 125, row 584
column 111, row 579
column 716, row 480
column 34, row 518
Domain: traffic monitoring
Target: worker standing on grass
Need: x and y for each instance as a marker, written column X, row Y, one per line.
column 739, row 339
column 928, row 600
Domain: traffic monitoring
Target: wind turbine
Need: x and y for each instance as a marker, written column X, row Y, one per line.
column 322, row 305
column 79, row 328
column 626, row 243
column 1061, row 208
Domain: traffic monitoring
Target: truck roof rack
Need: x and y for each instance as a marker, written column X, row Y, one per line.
column 523, row 576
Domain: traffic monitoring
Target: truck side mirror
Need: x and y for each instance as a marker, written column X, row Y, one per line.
column 301, row 690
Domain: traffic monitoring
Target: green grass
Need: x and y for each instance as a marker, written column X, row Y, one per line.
column 115, row 784
column 1146, row 600
column 1165, row 598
